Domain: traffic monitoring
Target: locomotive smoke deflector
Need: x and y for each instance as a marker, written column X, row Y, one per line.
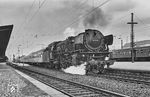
column 108, row 39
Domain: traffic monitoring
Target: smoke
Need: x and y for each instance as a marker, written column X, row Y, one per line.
column 96, row 18
column 69, row 32
column 76, row 69
column 102, row 17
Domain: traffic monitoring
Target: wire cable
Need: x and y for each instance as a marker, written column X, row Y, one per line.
column 40, row 6
column 145, row 26
column 140, row 19
column 22, row 24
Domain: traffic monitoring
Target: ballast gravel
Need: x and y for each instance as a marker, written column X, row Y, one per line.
column 126, row 88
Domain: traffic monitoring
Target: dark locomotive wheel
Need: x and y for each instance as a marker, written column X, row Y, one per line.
column 87, row 69
column 57, row 65
column 86, row 72
column 95, row 69
column 101, row 68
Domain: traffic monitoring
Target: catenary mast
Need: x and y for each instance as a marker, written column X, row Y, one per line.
column 132, row 37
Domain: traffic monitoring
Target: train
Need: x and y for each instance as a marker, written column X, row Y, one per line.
column 90, row 46
column 140, row 54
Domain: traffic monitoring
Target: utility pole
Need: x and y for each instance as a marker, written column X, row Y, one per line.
column 121, row 44
column 121, row 41
column 132, row 37
column 19, row 51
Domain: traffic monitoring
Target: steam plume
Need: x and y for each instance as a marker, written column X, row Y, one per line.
column 96, row 18
column 69, row 32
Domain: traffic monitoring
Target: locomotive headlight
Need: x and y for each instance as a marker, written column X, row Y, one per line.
column 83, row 55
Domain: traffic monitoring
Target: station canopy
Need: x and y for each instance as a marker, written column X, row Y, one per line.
column 5, row 32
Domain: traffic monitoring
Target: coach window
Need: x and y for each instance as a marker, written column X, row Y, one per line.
column 129, row 52
column 137, row 51
column 126, row 52
column 141, row 51
column 146, row 50
column 121, row 53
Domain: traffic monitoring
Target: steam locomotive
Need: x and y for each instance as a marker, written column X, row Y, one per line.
column 90, row 46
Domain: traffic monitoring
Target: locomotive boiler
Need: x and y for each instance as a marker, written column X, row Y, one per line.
column 90, row 46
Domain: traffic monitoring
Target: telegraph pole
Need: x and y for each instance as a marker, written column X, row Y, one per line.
column 121, row 44
column 121, row 40
column 132, row 36
column 19, row 51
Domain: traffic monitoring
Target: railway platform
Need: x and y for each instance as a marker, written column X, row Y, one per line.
column 14, row 83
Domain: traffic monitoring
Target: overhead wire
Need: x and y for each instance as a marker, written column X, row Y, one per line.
column 79, row 6
column 40, row 6
column 124, row 16
column 82, row 3
column 26, row 17
column 143, row 27
column 139, row 19
column 22, row 24
column 120, row 19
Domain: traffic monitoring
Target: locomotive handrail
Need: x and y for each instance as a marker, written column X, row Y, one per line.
column 95, row 52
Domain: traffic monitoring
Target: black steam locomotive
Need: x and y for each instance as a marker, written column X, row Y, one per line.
column 90, row 46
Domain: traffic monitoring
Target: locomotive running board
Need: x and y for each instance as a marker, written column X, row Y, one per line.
column 94, row 52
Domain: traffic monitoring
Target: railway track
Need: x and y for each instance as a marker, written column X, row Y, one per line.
column 126, row 75
column 70, row 88
column 131, row 72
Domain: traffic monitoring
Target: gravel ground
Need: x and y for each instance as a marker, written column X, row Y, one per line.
column 130, row 89
column 14, row 85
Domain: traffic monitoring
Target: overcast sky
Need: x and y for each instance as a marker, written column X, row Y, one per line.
column 37, row 23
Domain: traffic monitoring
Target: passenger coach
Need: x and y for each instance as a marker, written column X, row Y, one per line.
column 140, row 54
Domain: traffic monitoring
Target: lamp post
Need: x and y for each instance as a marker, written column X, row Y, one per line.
column 121, row 42
column 19, row 51
column 114, row 41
